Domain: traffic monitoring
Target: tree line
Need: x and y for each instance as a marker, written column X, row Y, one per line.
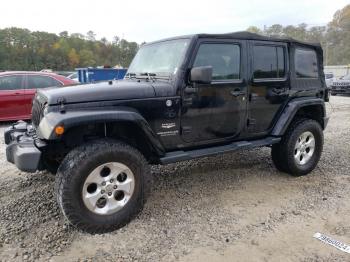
column 334, row 37
column 21, row 49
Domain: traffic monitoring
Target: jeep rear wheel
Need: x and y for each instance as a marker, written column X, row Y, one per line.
column 101, row 185
column 300, row 148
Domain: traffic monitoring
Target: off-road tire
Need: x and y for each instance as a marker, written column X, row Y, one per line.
column 78, row 164
column 283, row 152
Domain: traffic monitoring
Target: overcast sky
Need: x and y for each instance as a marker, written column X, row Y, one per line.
column 150, row 20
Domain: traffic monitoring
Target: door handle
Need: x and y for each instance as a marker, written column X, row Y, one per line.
column 237, row 93
column 278, row 91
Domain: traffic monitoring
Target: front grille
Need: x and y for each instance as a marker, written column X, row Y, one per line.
column 345, row 84
column 37, row 112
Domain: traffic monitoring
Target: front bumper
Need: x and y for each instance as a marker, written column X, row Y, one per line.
column 21, row 149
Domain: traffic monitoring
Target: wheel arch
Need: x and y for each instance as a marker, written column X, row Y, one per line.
column 128, row 126
column 301, row 108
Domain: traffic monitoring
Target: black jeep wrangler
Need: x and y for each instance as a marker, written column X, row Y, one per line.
column 182, row 98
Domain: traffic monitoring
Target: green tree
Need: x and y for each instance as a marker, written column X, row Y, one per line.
column 334, row 38
column 21, row 49
column 338, row 38
column 86, row 58
column 73, row 58
column 90, row 36
column 275, row 30
column 254, row 29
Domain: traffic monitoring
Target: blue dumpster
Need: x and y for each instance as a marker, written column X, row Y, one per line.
column 88, row 75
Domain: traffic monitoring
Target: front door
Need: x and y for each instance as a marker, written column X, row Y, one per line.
column 216, row 111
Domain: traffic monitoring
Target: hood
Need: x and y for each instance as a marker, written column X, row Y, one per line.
column 103, row 91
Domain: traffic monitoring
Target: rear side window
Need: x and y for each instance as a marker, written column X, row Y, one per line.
column 11, row 82
column 36, row 81
column 269, row 62
column 305, row 61
column 224, row 58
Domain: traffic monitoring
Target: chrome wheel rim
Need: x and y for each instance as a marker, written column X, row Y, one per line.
column 108, row 188
column 304, row 148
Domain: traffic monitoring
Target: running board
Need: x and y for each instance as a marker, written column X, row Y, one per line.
column 178, row 156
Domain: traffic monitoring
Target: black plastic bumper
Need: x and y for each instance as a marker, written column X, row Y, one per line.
column 21, row 149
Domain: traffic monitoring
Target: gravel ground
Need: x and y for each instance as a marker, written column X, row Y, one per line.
column 233, row 207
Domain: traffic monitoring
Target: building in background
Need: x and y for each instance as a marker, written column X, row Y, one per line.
column 337, row 70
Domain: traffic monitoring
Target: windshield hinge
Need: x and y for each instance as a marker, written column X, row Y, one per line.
column 61, row 102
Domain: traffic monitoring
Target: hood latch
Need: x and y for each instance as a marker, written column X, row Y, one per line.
column 61, row 102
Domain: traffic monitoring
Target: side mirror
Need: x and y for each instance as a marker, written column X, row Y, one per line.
column 202, row 74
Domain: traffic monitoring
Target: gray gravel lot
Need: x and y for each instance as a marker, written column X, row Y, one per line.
column 233, row 207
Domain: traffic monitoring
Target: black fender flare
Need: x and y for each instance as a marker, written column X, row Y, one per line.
column 290, row 110
column 71, row 119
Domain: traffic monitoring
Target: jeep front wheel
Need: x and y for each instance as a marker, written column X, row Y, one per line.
column 300, row 148
column 100, row 186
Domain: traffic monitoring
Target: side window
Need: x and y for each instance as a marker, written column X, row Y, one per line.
column 269, row 62
column 11, row 82
column 305, row 61
column 36, row 81
column 55, row 82
column 224, row 58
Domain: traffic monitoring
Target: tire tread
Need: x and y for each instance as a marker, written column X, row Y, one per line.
column 281, row 153
column 64, row 179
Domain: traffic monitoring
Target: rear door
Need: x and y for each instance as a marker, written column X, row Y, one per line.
column 12, row 106
column 269, row 85
column 34, row 82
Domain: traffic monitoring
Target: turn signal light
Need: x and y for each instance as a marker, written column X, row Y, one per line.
column 59, row 130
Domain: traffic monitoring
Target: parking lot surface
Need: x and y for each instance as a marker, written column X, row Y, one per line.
column 233, row 207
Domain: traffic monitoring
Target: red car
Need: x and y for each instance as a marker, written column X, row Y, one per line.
column 17, row 90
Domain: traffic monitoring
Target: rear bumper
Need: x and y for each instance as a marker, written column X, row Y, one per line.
column 21, row 149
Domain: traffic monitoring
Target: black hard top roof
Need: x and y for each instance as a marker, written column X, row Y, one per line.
column 245, row 35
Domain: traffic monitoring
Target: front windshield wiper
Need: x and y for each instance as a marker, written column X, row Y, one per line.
column 130, row 75
column 154, row 76
column 146, row 75
column 150, row 76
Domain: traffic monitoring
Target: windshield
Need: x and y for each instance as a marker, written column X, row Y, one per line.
column 161, row 58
